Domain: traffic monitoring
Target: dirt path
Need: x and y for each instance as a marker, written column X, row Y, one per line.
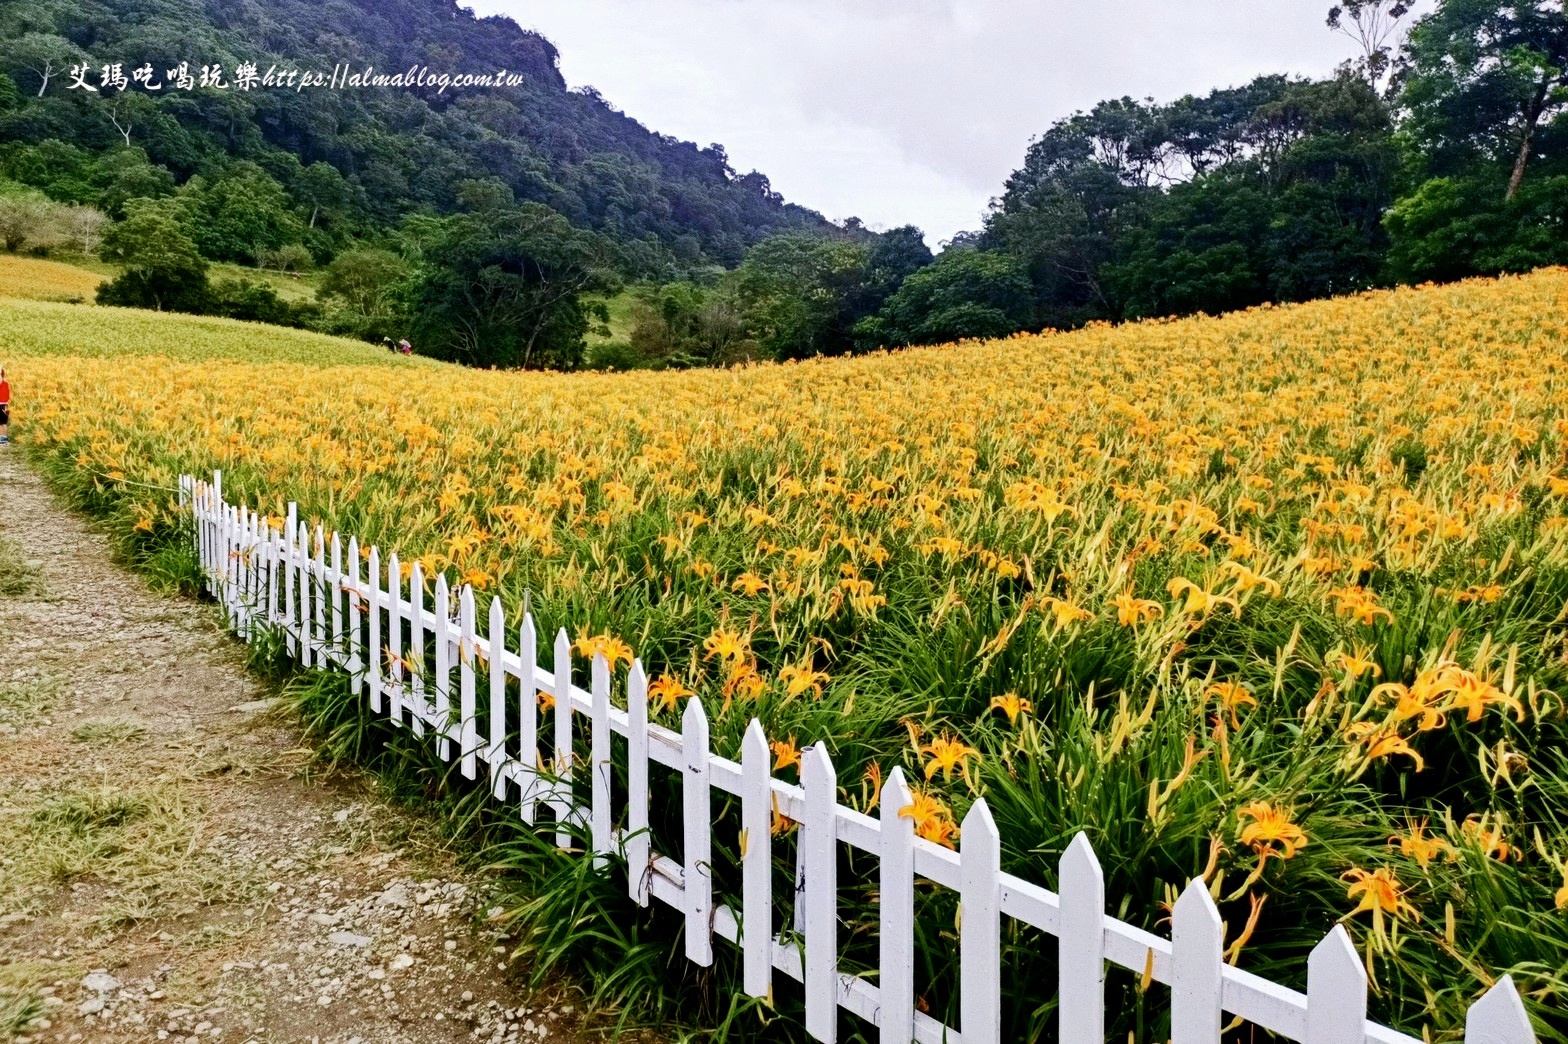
column 172, row 867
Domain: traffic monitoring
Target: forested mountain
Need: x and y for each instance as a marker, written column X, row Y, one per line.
column 663, row 201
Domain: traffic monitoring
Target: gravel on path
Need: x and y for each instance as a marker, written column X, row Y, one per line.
column 173, row 863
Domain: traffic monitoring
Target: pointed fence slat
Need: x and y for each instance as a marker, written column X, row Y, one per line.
column 528, row 719
column 980, row 932
column 443, row 651
column 395, row 638
column 495, row 641
column 819, row 878
column 599, row 762
column 1336, row 991
column 318, row 593
column 896, row 912
column 356, row 664
column 756, row 831
column 698, row 821
column 1196, row 941
column 561, row 797
column 334, row 585
column 467, row 708
column 639, row 847
column 1081, row 946
column 306, row 584
column 1499, row 1017
column 286, row 579
column 414, row 659
column 375, row 655
column 291, row 621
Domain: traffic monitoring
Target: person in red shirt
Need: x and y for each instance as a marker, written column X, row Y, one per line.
column 5, row 409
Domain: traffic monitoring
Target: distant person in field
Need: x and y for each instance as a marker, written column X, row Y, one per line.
column 5, row 409
column 404, row 347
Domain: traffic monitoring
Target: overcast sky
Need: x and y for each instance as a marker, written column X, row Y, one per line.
column 907, row 111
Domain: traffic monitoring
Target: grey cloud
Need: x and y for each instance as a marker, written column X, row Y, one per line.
column 908, row 110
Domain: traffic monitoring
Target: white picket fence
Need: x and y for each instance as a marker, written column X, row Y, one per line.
column 310, row 588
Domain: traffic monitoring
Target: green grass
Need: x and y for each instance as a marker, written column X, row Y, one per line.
column 620, row 325
column 18, row 578
column 107, row 732
column 18, row 1011
column 139, row 840
column 291, row 287
column 22, row 701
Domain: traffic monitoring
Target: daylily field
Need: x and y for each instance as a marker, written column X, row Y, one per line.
column 1279, row 598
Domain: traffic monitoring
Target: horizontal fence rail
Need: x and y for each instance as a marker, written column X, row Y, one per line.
column 309, row 587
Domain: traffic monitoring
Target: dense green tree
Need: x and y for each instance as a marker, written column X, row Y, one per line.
column 1481, row 79
column 896, row 255
column 163, row 269
column 506, row 288
column 484, row 194
column 803, row 294
column 1449, row 228
column 366, row 285
column 684, row 324
column 1270, row 191
column 126, row 174
column 255, row 302
column 966, row 293
column 36, row 61
column 240, row 213
column 1203, row 248
column 25, row 217
column 63, row 171
column 321, row 191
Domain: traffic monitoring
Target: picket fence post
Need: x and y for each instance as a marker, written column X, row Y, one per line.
column 307, row 633
column 980, row 928
column 374, row 648
column 333, row 582
column 467, row 698
column 1336, row 991
column 639, row 847
column 320, row 642
column 355, row 647
column 528, row 718
column 443, row 650
column 1081, row 945
column 1197, row 965
column 756, row 853
column 1499, row 1017
column 395, row 670
column 896, row 912
column 495, row 638
column 819, row 884
column 599, row 761
column 697, row 819
column 561, row 803
column 414, row 688
column 290, row 606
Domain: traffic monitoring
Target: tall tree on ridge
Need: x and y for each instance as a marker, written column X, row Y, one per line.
column 1374, row 24
column 1483, row 76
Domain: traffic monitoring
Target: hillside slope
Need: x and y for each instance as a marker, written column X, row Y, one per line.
column 42, row 329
